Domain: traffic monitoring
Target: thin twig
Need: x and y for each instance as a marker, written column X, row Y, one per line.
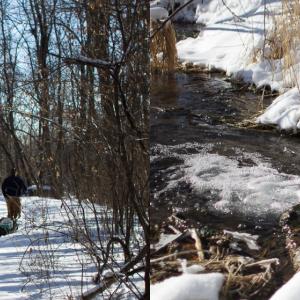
column 232, row 12
column 263, row 262
column 198, row 244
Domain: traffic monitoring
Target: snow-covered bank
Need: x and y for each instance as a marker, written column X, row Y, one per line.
column 238, row 39
column 231, row 44
column 284, row 111
column 42, row 260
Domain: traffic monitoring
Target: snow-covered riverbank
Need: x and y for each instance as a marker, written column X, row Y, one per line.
column 238, row 39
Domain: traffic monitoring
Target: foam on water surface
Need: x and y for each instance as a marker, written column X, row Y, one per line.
column 244, row 183
column 248, row 189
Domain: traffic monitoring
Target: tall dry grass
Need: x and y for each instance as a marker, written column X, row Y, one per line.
column 163, row 48
column 284, row 41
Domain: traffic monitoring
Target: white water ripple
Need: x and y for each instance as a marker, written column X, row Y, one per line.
column 257, row 189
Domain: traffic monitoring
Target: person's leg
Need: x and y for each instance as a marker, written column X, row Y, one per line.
column 12, row 206
column 8, row 205
column 16, row 207
column 18, row 202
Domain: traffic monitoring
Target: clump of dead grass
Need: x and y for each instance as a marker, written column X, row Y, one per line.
column 163, row 48
column 283, row 42
column 246, row 275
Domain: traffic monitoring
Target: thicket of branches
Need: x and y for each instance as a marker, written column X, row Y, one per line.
column 74, row 104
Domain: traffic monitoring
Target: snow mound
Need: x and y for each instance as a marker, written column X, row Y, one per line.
column 290, row 290
column 189, row 287
column 284, row 111
column 216, row 48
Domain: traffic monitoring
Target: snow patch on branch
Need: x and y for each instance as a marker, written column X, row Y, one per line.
column 98, row 63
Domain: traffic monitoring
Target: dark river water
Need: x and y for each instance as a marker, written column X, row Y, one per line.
column 199, row 114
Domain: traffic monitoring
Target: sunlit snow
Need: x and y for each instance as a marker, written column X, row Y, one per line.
column 41, row 260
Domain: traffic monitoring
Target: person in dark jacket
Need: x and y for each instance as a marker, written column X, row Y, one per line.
column 12, row 188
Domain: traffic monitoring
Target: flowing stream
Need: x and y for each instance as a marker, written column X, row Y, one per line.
column 212, row 172
column 204, row 164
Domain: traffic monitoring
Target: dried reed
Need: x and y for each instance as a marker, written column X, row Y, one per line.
column 284, row 41
column 163, row 48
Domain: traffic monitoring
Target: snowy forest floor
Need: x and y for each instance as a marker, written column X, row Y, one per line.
column 43, row 260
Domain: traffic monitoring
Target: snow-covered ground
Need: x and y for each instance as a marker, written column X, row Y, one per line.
column 238, row 39
column 42, row 259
